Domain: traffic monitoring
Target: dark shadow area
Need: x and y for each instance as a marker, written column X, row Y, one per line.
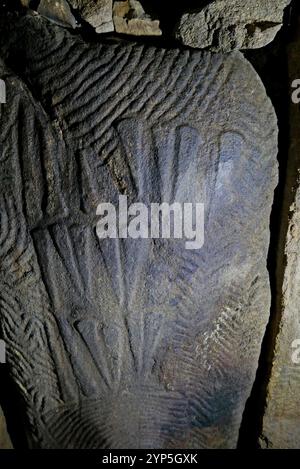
column 10, row 6
column 169, row 12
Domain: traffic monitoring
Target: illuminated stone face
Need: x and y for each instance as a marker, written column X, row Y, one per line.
column 132, row 343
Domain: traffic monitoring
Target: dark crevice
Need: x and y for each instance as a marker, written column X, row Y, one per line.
column 34, row 4
column 170, row 12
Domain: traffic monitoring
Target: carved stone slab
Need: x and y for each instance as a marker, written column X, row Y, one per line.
column 98, row 13
column 132, row 343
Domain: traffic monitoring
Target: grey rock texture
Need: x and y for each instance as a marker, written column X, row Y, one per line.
column 58, row 11
column 130, row 18
column 132, row 343
column 225, row 25
column 5, row 442
column 98, row 13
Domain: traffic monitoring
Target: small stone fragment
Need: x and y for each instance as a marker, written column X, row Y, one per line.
column 98, row 13
column 225, row 25
column 57, row 11
column 130, row 18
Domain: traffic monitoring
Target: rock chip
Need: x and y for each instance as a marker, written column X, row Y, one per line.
column 225, row 25
column 130, row 18
column 98, row 13
column 57, row 11
column 5, row 442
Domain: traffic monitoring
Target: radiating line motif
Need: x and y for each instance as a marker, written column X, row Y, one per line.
column 132, row 343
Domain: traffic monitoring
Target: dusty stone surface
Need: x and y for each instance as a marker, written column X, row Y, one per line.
column 98, row 13
column 130, row 18
column 5, row 442
column 58, row 11
column 132, row 343
column 225, row 25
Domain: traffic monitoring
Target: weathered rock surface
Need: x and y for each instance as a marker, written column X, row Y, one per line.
column 130, row 18
column 98, row 13
column 5, row 442
column 132, row 343
column 58, row 11
column 281, row 423
column 225, row 25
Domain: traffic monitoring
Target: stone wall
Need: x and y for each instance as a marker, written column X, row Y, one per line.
column 222, row 25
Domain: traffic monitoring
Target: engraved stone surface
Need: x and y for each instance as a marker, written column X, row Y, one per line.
column 225, row 25
column 132, row 343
